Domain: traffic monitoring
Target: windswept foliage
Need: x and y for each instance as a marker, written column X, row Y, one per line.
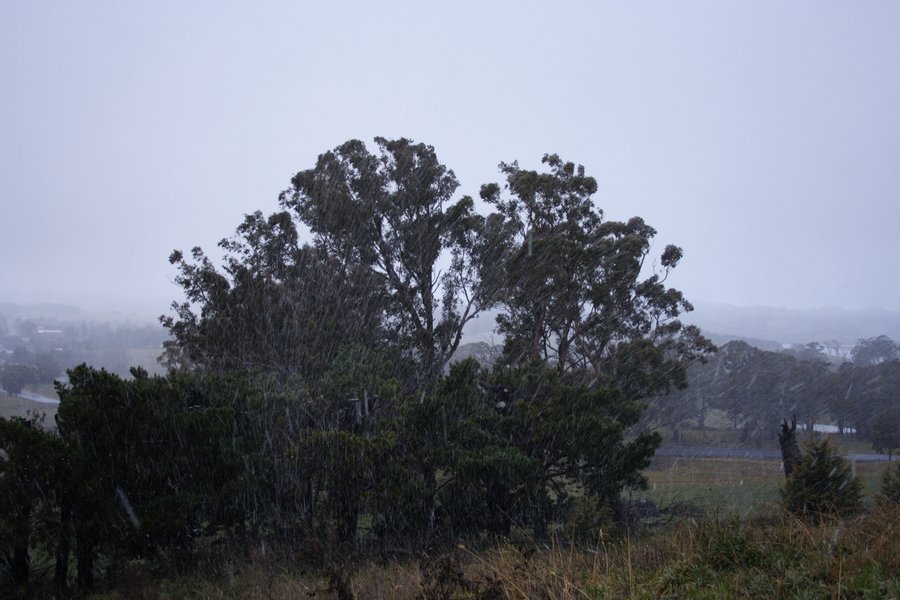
column 574, row 291
column 391, row 213
column 275, row 306
column 26, row 476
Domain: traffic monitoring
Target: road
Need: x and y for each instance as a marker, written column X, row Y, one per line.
column 36, row 398
column 748, row 453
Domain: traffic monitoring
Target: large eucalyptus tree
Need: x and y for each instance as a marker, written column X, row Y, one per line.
column 577, row 290
column 393, row 212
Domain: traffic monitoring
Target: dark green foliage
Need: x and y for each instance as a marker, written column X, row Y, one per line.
column 159, row 462
column 391, row 214
column 130, row 472
column 398, row 501
column 874, row 403
column 884, row 430
column 26, row 491
column 728, row 547
column 776, row 558
column 532, row 438
column 276, row 307
column 156, row 463
column 822, row 484
column 571, row 286
column 28, row 368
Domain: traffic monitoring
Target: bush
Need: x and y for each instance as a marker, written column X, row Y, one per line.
column 587, row 518
column 822, row 484
column 890, row 484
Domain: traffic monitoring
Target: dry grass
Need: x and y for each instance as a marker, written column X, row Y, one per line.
column 774, row 557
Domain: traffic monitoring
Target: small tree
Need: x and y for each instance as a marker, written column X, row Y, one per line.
column 890, row 484
column 16, row 376
column 884, row 432
column 873, row 351
column 822, row 484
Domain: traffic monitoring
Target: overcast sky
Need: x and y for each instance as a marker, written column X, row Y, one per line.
column 762, row 137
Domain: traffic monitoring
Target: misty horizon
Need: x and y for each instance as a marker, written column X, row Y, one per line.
column 759, row 139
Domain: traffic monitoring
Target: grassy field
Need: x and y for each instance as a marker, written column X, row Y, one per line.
column 717, row 486
column 726, row 486
column 17, row 407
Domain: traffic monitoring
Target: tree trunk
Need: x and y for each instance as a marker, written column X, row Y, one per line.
column 537, row 335
column 84, row 555
column 430, row 475
column 21, row 565
column 348, row 521
column 61, row 569
column 309, row 498
column 539, row 523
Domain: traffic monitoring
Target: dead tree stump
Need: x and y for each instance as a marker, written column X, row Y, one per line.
column 790, row 449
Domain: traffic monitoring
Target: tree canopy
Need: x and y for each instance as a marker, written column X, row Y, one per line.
column 392, row 212
column 310, row 388
column 574, row 290
column 397, row 266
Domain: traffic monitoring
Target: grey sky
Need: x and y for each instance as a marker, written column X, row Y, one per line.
column 762, row 137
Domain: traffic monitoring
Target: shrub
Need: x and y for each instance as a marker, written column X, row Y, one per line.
column 822, row 484
column 587, row 518
column 890, row 484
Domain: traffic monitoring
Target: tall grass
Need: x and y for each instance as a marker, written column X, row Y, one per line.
column 762, row 557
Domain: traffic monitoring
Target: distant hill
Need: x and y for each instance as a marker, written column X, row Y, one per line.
column 41, row 310
column 56, row 311
column 795, row 326
column 720, row 339
column 765, row 327
column 486, row 354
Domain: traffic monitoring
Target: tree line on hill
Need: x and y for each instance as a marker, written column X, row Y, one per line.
column 308, row 401
column 37, row 351
column 757, row 388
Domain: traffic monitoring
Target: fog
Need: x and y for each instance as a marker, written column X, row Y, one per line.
column 761, row 137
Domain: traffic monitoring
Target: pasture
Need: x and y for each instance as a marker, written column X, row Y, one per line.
column 729, row 486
